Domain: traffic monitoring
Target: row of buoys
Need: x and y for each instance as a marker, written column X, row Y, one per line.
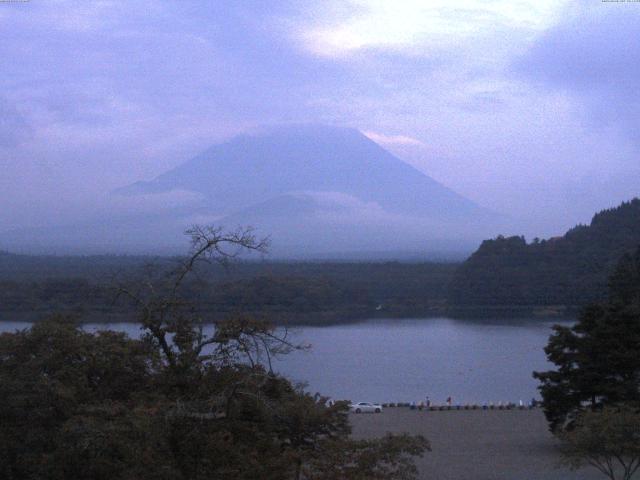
column 474, row 406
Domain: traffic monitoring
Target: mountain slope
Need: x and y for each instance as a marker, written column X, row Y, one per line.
column 252, row 169
column 313, row 189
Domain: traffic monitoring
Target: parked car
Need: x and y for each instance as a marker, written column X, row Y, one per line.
column 364, row 407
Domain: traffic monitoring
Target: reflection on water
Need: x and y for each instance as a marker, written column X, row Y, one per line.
column 406, row 360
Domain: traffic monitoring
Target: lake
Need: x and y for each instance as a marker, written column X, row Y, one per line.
column 405, row 360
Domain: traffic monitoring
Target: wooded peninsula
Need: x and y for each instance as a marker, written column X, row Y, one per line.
column 506, row 276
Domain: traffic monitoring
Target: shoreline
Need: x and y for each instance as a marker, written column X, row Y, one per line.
column 288, row 319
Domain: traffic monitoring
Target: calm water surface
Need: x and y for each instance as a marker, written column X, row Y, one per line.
column 406, row 360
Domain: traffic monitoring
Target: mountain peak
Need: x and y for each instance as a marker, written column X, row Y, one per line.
column 306, row 181
column 278, row 160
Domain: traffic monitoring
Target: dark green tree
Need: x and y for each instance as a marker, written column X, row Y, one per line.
column 597, row 359
column 58, row 382
column 570, row 270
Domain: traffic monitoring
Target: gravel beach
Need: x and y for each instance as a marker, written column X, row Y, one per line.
column 477, row 444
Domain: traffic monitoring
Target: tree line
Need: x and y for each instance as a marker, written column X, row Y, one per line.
column 297, row 292
column 506, row 276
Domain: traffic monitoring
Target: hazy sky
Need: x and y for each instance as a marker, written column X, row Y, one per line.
column 528, row 107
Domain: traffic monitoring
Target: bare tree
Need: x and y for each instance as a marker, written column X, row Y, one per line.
column 175, row 323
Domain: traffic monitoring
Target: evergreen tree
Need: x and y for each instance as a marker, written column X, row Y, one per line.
column 597, row 359
column 571, row 270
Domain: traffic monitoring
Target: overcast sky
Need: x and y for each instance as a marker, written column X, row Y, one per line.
column 527, row 107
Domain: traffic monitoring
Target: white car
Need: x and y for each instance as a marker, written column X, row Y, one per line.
column 364, row 407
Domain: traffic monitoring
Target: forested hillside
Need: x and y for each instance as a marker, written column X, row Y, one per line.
column 296, row 292
column 506, row 276
column 570, row 270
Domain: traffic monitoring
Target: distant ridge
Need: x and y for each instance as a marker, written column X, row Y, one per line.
column 568, row 270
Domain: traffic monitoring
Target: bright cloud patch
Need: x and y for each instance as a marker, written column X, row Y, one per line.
column 341, row 207
column 383, row 139
column 380, row 24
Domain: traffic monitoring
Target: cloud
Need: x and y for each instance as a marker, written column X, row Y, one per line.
column 72, row 17
column 349, row 210
column 416, row 26
column 383, row 139
column 156, row 202
column 592, row 56
column 14, row 126
column 103, row 93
